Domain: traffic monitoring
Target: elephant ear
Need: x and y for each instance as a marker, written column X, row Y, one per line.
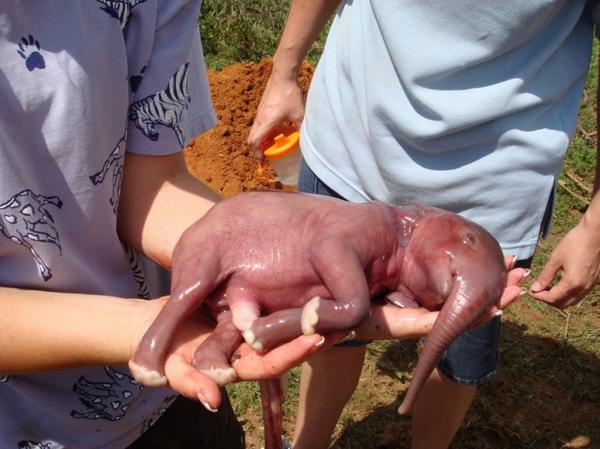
column 430, row 279
column 441, row 276
column 429, row 283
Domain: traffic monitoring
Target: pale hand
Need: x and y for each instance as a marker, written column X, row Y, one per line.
column 577, row 259
column 390, row 322
column 184, row 378
column 281, row 103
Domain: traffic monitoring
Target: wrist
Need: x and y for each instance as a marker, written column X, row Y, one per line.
column 286, row 65
column 591, row 217
column 145, row 313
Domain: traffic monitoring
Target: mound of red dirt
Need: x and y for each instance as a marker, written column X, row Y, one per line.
column 221, row 157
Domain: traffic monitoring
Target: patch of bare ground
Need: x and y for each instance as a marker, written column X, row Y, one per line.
column 221, row 157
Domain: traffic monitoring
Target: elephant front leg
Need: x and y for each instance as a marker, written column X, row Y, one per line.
column 190, row 289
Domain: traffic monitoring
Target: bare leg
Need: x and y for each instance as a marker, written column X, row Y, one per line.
column 324, row 393
column 439, row 411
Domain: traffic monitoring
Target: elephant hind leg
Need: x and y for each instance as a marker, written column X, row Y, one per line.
column 214, row 354
column 274, row 329
column 326, row 315
column 339, row 269
column 317, row 316
column 337, row 263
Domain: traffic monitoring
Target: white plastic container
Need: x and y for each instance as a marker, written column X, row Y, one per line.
column 284, row 157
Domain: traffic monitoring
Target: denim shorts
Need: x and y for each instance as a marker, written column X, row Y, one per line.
column 474, row 356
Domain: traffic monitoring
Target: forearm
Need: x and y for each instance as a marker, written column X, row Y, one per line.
column 46, row 331
column 282, row 102
column 591, row 217
column 590, row 222
column 592, row 214
column 159, row 200
column 305, row 21
column 573, row 267
column 597, row 178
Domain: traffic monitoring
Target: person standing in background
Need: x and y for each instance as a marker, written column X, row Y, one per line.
column 464, row 105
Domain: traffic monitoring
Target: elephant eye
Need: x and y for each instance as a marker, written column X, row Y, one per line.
column 469, row 239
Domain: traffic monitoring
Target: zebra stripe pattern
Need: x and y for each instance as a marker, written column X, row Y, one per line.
column 143, row 291
column 120, row 9
column 165, row 107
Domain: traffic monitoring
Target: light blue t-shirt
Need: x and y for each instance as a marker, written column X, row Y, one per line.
column 467, row 105
column 80, row 84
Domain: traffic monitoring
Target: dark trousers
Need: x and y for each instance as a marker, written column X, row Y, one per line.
column 188, row 425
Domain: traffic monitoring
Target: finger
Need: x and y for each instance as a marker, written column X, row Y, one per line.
column 516, row 276
column 255, row 139
column 262, row 136
column 191, row 383
column 547, row 274
column 391, row 322
column 558, row 296
column 509, row 262
column 256, row 136
column 509, row 295
column 513, row 289
column 250, row 365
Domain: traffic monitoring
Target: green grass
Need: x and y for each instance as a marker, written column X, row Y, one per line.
column 244, row 31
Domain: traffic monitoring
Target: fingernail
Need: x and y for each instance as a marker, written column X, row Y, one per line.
column 527, row 273
column 349, row 336
column 498, row 313
column 319, row 343
column 536, row 286
column 523, row 291
column 514, row 260
column 205, row 403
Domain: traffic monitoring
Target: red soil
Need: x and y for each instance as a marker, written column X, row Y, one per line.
column 220, row 157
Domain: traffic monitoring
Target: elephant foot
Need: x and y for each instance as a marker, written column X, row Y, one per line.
column 147, row 377
column 310, row 316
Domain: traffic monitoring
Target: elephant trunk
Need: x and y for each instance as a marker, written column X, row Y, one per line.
column 466, row 304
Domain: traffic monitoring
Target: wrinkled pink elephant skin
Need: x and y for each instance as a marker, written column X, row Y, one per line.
column 273, row 265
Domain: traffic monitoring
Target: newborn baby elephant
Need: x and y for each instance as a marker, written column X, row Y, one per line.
column 273, row 265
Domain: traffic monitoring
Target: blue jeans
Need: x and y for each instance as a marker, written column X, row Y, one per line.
column 474, row 356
